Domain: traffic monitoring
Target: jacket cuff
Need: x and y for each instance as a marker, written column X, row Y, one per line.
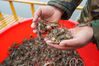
column 67, row 6
column 95, row 25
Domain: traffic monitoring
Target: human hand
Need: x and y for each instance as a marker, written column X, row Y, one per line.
column 81, row 37
column 46, row 14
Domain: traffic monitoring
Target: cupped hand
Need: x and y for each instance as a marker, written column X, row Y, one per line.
column 46, row 14
column 81, row 37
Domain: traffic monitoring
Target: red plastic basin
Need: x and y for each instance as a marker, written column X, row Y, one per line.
column 19, row 31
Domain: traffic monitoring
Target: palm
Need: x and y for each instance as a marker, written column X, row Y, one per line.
column 48, row 14
column 81, row 37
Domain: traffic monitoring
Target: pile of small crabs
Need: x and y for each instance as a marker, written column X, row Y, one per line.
column 56, row 34
column 35, row 51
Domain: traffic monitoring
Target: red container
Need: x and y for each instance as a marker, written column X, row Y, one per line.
column 19, row 31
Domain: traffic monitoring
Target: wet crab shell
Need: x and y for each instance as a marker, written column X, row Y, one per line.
column 56, row 35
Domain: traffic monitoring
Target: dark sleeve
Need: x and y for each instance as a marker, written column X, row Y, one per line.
column 95, row 25
column 67, row 5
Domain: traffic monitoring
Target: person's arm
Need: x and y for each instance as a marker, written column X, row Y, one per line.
column 68, row 6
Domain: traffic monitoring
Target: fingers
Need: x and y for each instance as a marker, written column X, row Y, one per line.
column 49, row 27
column 35, row 19
column 61, row 47
column 50, row 43
column 37, row 15
column 66, row 44
column 70, row 43
column 34, row 31
column 33, row 25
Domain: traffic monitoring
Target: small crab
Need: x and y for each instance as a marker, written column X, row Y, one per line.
column 56, row 34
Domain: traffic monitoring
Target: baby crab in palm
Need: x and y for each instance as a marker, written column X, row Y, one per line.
column 57, row 33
